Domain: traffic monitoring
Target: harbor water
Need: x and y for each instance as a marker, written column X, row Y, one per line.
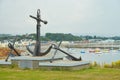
column 100, row 58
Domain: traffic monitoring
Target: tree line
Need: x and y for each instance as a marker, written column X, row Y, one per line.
column 55, row 37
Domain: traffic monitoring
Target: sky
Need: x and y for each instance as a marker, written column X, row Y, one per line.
column 79, row 17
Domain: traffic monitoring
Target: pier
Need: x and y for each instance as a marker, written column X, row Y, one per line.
column 93, row 45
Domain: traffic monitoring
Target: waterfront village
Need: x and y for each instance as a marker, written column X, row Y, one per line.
column 90, row 46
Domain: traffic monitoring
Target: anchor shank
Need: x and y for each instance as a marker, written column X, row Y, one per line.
column 38, row 43
column 37, row 49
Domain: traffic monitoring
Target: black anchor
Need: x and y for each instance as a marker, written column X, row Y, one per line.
column 37, row 49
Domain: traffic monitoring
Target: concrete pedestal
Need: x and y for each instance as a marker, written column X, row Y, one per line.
column 30, row 62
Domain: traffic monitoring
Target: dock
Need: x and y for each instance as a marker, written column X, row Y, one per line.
column 93, row 45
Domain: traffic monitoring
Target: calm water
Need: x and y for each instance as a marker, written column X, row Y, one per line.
column 99, row 58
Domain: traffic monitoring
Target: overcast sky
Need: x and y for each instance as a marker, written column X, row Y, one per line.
column 88, row 17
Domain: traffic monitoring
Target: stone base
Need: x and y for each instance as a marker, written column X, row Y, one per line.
column 3, row 63
column 29, row 62
column 44, row 63
column 32, row 64
column 65, row 65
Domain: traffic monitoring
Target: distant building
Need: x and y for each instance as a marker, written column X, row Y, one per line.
column 108, row 41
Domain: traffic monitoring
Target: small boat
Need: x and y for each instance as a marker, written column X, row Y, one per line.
column 106, row 51
column 98, row 51
column 82, row 51
column 91, row 51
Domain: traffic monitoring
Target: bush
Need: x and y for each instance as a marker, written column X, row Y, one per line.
column 113, row 65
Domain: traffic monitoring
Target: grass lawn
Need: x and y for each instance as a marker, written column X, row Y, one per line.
column 85, row 74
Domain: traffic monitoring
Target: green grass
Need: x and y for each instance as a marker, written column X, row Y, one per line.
column 84, row 74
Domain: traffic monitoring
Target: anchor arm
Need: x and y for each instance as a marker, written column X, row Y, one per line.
column 41, row 53
column 72, row 57
column 46, row 52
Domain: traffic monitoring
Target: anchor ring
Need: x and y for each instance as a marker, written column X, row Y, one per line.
column 38, row 11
